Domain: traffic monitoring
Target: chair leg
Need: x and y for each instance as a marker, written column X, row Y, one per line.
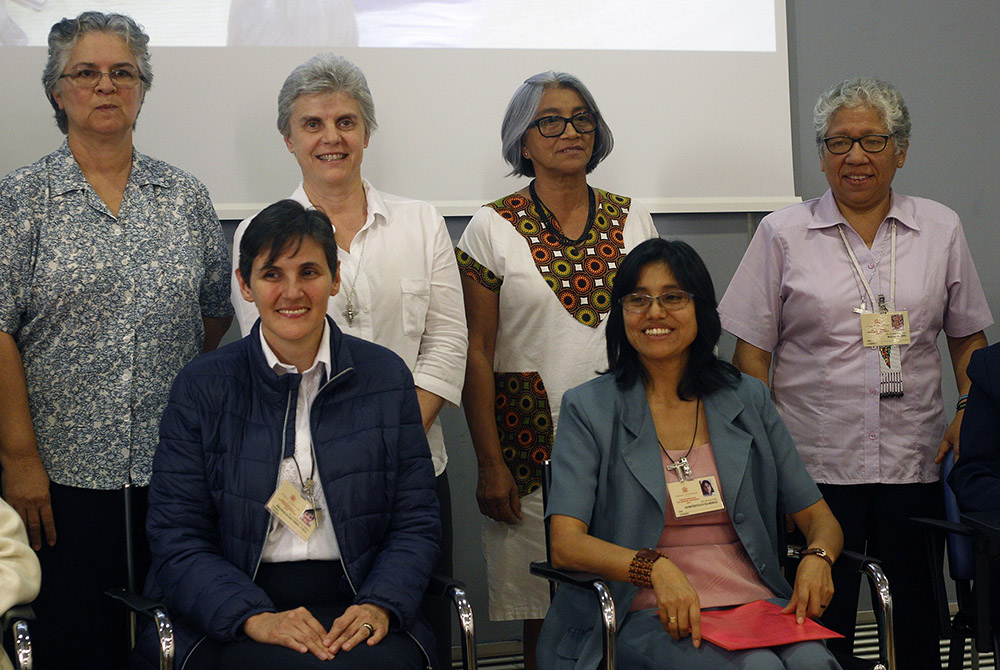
column 956, row 652
column 610, row 624
column 22, row 646
column 465, row 620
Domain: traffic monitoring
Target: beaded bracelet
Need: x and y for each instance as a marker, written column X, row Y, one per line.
column 962, row 401
column 641, row 567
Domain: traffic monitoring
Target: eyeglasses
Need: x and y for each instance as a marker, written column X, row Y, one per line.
column 88, row 77
column 554, row 126
column 841, row 144
column 638, row 303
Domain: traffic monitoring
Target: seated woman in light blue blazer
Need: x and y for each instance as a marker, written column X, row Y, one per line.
column 628, row 501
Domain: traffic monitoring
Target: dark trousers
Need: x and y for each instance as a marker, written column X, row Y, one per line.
column 438, row 610
column 313, row 585
column 876, row 521
column 77, row 625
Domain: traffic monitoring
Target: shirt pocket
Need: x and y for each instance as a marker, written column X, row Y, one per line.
column 416, row 294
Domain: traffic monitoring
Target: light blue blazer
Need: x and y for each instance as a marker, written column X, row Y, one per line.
column 607, row 472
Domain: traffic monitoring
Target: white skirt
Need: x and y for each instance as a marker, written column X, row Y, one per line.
column 515, row 593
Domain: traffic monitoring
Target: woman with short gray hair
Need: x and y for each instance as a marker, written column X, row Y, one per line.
column 401, row 287
column 537, row 269
column 112, row 278
column 848, row 293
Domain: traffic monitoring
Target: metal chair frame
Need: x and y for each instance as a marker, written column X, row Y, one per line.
column 869, row 567
column 16, row 620
column 438, row 587
column 967, row 548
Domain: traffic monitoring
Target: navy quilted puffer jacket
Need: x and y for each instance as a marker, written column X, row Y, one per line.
column 222, row 437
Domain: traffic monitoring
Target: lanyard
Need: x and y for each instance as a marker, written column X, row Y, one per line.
column 892, row 266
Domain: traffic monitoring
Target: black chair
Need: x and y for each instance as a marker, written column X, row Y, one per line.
column 879, row 584
column 15, row 621
column 439, row 587
column 971, row 620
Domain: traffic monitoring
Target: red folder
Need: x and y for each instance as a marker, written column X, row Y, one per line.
column 758, row 624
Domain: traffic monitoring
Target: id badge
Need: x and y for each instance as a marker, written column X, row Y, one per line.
column 695, row 496
column 885, row 329
column 293, row 509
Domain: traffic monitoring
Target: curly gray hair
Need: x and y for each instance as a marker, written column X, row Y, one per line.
column 63, row 37
column 879, row 95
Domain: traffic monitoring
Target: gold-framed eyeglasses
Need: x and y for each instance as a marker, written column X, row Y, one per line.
column 841, row 144
column 89, row 77
column 671, row 301
column 554, row 126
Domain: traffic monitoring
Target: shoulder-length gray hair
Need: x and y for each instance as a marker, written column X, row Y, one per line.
column 879, row 95
column 64, row 36
column 521, row 112
column 326, row 73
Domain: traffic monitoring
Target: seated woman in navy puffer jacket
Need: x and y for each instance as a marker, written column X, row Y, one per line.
column 292, row 520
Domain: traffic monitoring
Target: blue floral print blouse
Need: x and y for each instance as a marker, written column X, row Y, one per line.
column 106, row 310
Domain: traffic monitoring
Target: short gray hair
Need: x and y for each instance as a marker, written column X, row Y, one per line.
column 521, row 112
column 66, row 33
column 326, row 73
column 876, row 94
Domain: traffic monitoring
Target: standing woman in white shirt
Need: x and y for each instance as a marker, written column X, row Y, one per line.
column 537, row 268
column 401, row 286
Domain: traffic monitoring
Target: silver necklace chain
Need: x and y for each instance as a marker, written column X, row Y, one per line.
column 352, row 293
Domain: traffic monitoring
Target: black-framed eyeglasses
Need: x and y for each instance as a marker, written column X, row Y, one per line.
column 554, row 126
column 841, row 144
column 672, row 300
column 88, row 77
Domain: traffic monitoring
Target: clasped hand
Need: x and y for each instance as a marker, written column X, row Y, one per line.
column 298, row 629
column 497, row 494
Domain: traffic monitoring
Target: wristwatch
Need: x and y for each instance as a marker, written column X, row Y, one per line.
column 817, row 551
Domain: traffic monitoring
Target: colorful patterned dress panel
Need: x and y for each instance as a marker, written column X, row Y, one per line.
column 581, row 275
column 524, row 423
column 479, row 273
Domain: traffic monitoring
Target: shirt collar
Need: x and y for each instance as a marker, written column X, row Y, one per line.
column 66, row 175
column 827, row 214
column 322, row 356
column 378, row 213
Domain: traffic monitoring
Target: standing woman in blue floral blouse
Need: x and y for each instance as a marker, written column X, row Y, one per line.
column 113, row 275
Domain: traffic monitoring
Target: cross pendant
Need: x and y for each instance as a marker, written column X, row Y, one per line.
column 681, row 468
column 349, row 314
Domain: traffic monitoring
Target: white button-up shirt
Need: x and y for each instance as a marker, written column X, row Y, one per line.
column 283, row 544
column 403, row 279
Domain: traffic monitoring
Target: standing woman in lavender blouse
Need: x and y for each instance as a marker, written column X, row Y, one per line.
column 112, row 277
column 866, row 414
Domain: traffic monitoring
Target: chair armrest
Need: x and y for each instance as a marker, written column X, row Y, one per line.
column 942, row 526
column 440, row 586
column 584, row 580
column 158, row 613
column 446, row 587
column 598, row 585
column 852, row 561
column 136, row 602
column 16, row 613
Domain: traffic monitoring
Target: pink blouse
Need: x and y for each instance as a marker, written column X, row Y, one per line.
column 705, row 546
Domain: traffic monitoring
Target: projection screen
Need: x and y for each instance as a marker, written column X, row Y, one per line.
column 695, row 91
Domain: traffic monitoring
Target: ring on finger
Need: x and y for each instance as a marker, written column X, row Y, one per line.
column 671, row 619
column 371, row 629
